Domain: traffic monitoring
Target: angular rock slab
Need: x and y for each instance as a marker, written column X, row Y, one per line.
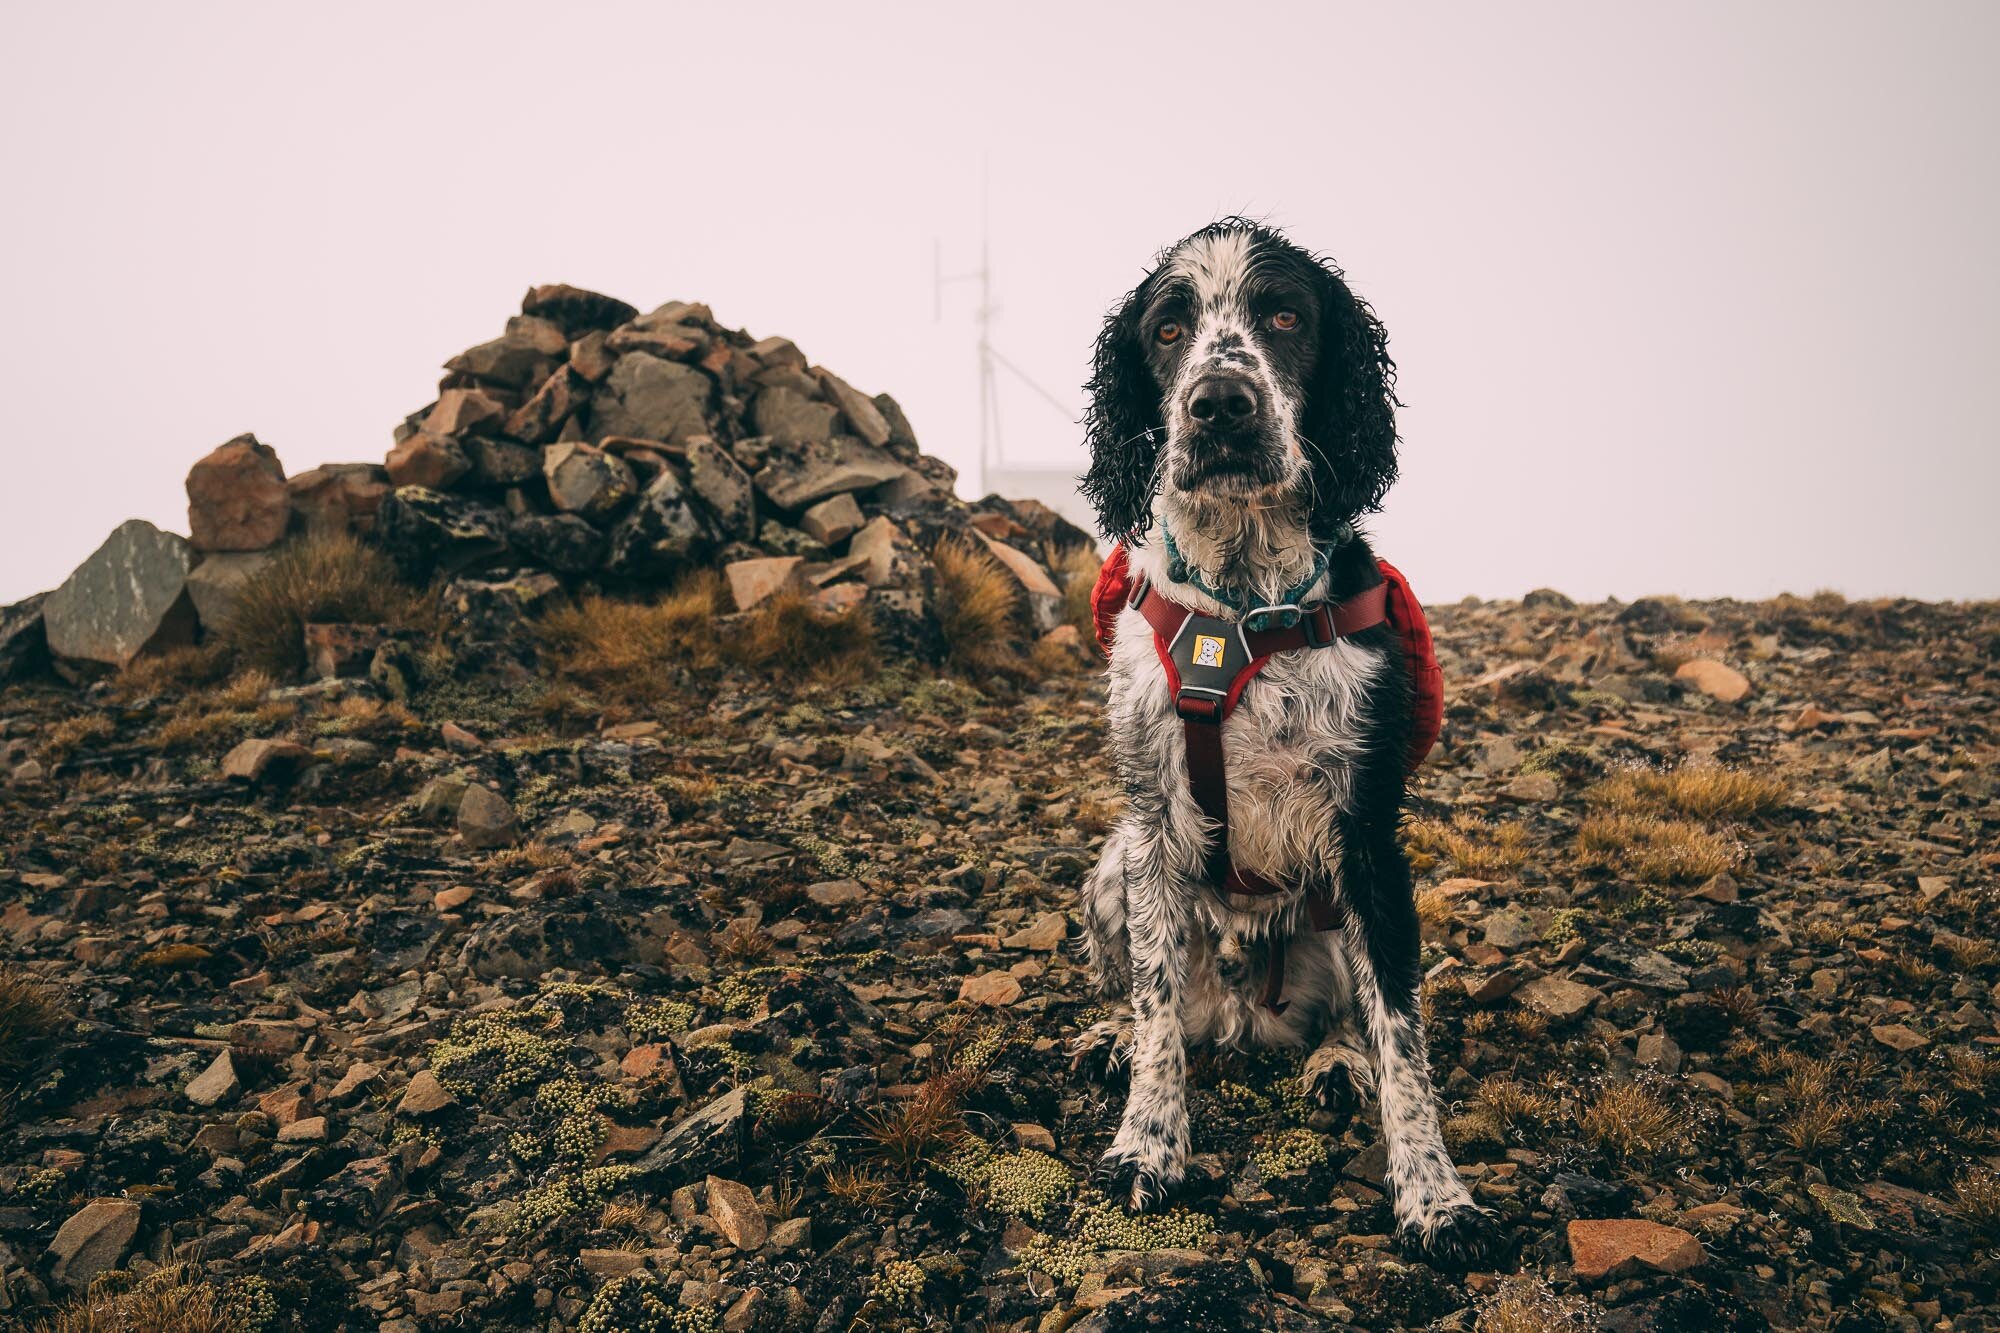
column 93, row 1241
column 237, row 499
column 723, row 486
column 710, row 1138
column 24, row 647
column 1603, row 1249
column 798, row 475
column 652, row 399
column 218, row 581
column 428, row 532
column 666, row 531
column 129, row 598
column 339, row 497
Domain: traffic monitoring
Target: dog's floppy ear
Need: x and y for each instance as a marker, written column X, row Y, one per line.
column 1350, row 415
column 1123, row 426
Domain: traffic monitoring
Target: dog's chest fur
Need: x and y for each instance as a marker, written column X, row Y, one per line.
column 1289, row 750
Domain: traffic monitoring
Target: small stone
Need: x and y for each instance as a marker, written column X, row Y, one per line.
column 485, row 819
column 458, row 738
column 253, row 760
column 424, row 459
column 1534, row 788
column 1604, row 1249
column 306, row 1129
column 1661, row 1052
column 993, row 989
column 425, row 1095
column 358, row 1076
column 466, row 412
column 608, row 1264
column 237, row 499
column 753, row 581
column 457, row 896
column 833, row 521
column 1034, row 1136
column 93, row 1241
column 836, row 892
column 1712, row 678
column 1899, row 1037
column 1047, row 933
column 736, row 1213
column 216, row 1084
column 790, row 1234
column 1558, row 997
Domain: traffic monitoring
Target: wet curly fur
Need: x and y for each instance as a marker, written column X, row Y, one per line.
column 1243, row 396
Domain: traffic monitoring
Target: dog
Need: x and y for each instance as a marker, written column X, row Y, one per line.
column 1241, row 422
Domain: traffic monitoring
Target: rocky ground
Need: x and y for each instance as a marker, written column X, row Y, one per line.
column 745, row 1008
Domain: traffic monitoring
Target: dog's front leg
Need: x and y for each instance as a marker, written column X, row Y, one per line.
column 1148, row 1157
column 1436, row 1217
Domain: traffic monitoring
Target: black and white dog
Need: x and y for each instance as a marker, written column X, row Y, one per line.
column 1242, row 417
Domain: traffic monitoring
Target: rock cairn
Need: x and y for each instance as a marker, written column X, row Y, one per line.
column 587, row 444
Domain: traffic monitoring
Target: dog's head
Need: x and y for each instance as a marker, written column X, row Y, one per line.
column 1242, row 366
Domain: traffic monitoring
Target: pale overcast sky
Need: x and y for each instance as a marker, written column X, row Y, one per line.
column 1697, row 298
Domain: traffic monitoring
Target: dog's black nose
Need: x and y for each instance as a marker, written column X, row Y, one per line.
column 1222, row 400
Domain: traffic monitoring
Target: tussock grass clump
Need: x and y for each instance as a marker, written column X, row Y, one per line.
column 621, row 648
column 977, row 604
column 175, row 669
column 1654, row 850
column 790, row 636
column 1694, row 791
column 1470, row 845
column 1635, row 1122
column 1527, row 1304
column 30, row 1023
column 63, row 739
column 1977, row 1199
column 332, row 578
column 1076, row 570
column 172, row 1299
column 1501, row 1111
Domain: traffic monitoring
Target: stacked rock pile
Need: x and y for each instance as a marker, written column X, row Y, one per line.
column 587, row 444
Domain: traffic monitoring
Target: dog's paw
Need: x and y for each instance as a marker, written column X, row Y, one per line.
column 1330, row 1093
column 1132, row 1183
column 1102, row 1052
column 1462, row 1237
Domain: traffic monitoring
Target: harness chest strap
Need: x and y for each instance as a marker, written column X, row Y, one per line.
column 1221, row 658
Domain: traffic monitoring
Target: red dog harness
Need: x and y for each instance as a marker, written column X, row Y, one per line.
column 1208, row 663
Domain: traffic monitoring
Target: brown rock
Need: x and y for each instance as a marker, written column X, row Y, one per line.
column 466, row 412
column 339, row 497
column 993, row 989
column 485, row 819
column 1047, row 933
column 253, row 760
column 1899, row 1037
column 736, row 1213
column 93, row 1240
column 237, row 499
column 585, row 480
column 832, row 521
column 1714, row 679
column 424, row 459
column 541, row 418
column 1604, row 1249
column 863, row 417
column 216, row 1084
column 836, row 892
column 751, row 581
column 1558, row 997
column 425, row 1095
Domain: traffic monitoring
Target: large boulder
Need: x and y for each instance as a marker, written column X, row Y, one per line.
column 428, row 532
column 667, row 531
column 339, row 497
column 585, row 480
column 798, row 475
column 562, row 542
column 130, row 597
column 723, row 486
column 24, row 647
column 652, row 399
column 237, row 500
column 424, row 459
column 574, row 310
column 218, row 581
column 524, row 355
column 790, row 417
column 93, row 1241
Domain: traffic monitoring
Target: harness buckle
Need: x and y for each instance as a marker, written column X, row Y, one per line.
column 1195, row 704
column 1319, row 628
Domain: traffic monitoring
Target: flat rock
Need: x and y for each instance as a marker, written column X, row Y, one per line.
column 722, row 485
column 129, row 598
column 993, row 989
column 736, row 1213
column 705, row 1140
column 1558, row 997
column 1714, row 679
column 802, row 474
column 586, row 481
column 485, row 818
column 93, row 1241
column 754, row 581
column 237, row 500
column 218, row 581
column 215, row 1084
column 424, row 459
column 787, row 416
column 832, row 521
column 1604, row 1249
column 424, row 1095
column 256, row 759
column 1048, row 932
column 863, row 417
column 652, row 399
column 339, row 497
column 836, row 892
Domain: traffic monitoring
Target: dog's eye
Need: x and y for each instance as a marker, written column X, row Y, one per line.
column 1168, row 332
column 1285, row 320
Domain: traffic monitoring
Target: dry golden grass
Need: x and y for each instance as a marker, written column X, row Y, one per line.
column 621, row 1217
column 977, row 604
column 1652, row 849
column 331, row 578
column 175, row 669
column 1633, row 1122
column 858, row 1187
column 72, row 734
column 619, row 648
column 788, row 636
column 740, row 942
column 907, row 1136
column 1817, row 1123
column 1527, row 1304
column 1076, row 570
column 1470, row 846
column 172, row 1299
column 1500, row 1110
column 1977, row 1199
column 30, row 1025
column 1695, row 791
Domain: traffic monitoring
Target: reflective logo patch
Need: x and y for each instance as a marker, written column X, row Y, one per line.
column 1208, row 650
